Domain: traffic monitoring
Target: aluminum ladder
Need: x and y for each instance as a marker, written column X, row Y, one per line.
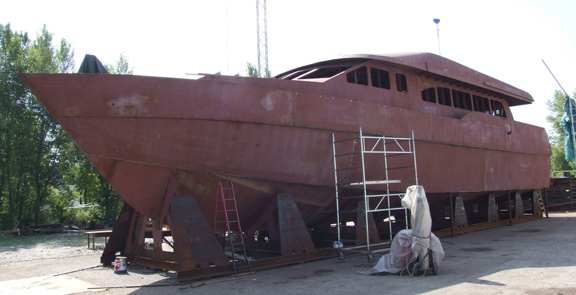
column 227, row 207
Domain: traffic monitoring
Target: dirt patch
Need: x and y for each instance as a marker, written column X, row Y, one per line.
column 39, row 247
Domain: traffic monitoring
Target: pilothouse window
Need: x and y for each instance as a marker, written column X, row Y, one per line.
column 497, row 109
column 429, row 94
column 358, row 76
column 444, row 96
column 401, row 83
column 481, row 104
column 380, row 78
column 461, row 100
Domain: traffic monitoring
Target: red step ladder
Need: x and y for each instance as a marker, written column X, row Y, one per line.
column 227, row 215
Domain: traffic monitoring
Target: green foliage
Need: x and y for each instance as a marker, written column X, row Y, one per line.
column 44, row 177
column 556, row 108
column 251, row 70
column 558, row 161
column 121, row 66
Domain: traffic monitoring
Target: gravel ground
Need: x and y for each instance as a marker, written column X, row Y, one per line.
column 39, row 247
column 536, row 258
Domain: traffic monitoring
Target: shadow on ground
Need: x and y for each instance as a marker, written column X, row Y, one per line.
column 536, row 256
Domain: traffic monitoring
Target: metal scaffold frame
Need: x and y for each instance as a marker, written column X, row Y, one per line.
column 375, row 145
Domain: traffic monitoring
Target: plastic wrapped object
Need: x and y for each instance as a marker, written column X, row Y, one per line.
column 399, row 256
column 411, row 245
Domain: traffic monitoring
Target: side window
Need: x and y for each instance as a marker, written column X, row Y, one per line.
column 481, row 104
column 326, row 72
column 295, row 74
column 461, row 100
column 429, row 94
column 401, row 83
column 358, row 76
column 444, row 96
column 497, row 109
column 380, row 78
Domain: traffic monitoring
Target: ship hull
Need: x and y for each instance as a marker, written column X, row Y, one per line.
column 273, row 137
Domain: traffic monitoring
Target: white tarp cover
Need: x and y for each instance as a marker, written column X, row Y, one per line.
column 410, row 244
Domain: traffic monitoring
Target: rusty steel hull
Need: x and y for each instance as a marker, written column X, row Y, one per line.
column 272, row 136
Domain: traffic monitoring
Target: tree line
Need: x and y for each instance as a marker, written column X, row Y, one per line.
column 44, row 177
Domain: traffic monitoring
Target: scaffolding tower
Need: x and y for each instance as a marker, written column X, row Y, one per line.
column 376, row 166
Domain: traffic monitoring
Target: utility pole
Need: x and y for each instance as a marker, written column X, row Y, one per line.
column 262, row 39
column 437, row 22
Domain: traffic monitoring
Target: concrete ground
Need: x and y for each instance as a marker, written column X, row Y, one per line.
column 535, row 258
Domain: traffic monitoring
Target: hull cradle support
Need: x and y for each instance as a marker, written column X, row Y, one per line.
column 183, row 240
column 469, row 213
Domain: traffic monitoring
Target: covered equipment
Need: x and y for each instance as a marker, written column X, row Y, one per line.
column 415, row 250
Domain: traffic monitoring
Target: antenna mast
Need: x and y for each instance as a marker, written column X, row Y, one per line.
column 437, row 22
column 554, row 76
column 262, row 38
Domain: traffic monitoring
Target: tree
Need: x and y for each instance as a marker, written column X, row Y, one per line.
column 251, row 70
column 556, row 108
column 44, row 58
column 121, row 66
column 42, row 171
column 31, row 139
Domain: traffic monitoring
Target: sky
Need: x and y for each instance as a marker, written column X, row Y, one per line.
column 504, row 39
